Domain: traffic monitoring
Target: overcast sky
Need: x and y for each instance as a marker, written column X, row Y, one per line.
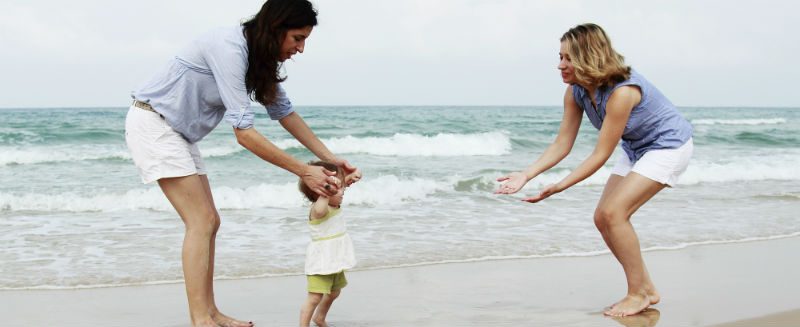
column 410, row 52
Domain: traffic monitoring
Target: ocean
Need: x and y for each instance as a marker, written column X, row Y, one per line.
column 74, row 214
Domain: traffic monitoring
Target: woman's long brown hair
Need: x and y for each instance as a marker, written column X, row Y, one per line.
column 265, row 33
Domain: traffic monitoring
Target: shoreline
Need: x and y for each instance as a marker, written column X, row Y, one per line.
column 704, row 285
column 421, row 264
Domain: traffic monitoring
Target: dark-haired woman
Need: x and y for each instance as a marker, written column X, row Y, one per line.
column 630, row 111
column 211, row 80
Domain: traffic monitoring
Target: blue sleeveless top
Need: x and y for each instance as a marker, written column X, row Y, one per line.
column 654, row 123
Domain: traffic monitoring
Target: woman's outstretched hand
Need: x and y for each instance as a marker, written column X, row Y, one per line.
column 320, row 180
column 544, row 194
column 513, row 183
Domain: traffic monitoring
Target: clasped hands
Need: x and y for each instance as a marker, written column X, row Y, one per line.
column 324, row 182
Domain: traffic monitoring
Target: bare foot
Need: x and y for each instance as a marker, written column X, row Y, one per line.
column 205, row 323
column 647, row 318
column 320, row 322
column 630, row 305
column 225, row 321
column 652, row 294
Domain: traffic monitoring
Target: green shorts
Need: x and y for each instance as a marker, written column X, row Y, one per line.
column 324, row 284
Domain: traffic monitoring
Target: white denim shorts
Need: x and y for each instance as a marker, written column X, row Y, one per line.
column 663, row 166
column 157, row 150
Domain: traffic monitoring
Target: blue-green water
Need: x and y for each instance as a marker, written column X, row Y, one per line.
column 73, row 212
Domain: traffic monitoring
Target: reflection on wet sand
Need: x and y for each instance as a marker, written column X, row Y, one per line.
column 647, row 318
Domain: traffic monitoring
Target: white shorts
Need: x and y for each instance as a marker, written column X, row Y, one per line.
column 663, row 166
column 157, row 150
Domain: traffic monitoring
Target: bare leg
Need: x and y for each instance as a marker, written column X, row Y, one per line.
column 218, row 316
column 324, row 306
column 610, row 188
column 197, row 211
column 307, row 310
column 612, row 218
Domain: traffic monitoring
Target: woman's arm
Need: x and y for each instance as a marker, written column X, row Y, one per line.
column 314, row 176
column 557, row 151
column 618, row 109
column 295, row 125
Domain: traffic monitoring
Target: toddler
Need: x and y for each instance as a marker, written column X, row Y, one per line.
column 330, row 252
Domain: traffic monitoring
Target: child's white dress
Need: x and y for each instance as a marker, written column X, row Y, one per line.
column 331, row 249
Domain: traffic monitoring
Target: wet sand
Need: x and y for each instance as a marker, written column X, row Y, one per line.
column 705, row 285
column 787, row 319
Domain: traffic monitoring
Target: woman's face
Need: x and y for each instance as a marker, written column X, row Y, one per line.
column 294, row 42
column 565, row 65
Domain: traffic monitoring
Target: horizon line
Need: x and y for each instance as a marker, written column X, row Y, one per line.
column 419, row 106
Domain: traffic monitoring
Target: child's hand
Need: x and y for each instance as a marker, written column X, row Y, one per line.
column 351, row 173
column 353, row 177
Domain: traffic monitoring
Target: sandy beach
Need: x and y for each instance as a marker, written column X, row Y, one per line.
column 737, row 284
column 789, row 318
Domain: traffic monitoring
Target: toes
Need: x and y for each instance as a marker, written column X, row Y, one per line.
column 621, row 309
column 234, row 323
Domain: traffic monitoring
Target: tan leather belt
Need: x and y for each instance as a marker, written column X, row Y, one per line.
column 143, row 105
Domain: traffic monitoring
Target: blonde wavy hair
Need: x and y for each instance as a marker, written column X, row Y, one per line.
column 596, row 63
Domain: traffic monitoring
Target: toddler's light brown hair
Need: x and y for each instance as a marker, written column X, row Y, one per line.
column 310, row 194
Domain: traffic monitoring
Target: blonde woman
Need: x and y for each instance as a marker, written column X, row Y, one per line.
column 655, row 138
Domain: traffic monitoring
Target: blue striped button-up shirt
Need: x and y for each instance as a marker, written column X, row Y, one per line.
column 204, row 83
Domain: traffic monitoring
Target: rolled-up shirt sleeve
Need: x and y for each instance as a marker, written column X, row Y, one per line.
column 228, row 68
column 281, row 107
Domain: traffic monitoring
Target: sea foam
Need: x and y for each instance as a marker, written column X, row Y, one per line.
column 400, row 144
column 381, row 190
column 766, row 121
